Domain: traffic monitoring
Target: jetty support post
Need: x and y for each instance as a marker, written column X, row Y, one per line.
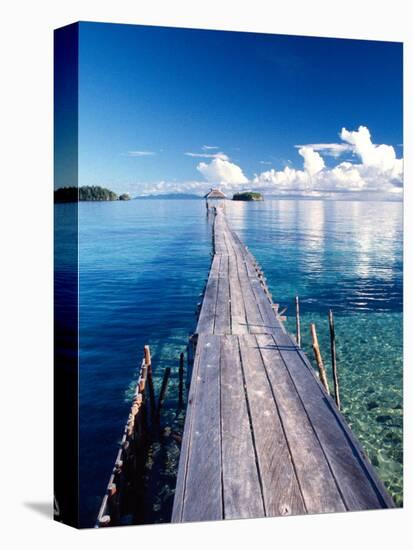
column 297, row 321
column 319, row 359
column 334, row 358
column 148, row 363
column 130, row 458
column 181, row 381
column 163, row 391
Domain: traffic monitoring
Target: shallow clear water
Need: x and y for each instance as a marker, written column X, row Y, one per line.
column 143, row 265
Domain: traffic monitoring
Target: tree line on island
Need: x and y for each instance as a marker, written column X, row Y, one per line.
column 247, row 196
column 88, row 193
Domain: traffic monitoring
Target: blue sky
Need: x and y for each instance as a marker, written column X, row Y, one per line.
column 149, row 95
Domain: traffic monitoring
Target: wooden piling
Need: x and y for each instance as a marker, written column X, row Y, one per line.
column 104, row 521
column 163, row 390
column 181, row 381
column 147, row 356
column 148, row 362
column 143, row 376
column 319, row 359
column 129, row 453
column 333, row 358
column 297, row 321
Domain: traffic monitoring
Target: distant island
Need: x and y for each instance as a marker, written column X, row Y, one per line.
column 87, row 193
column 247, row 196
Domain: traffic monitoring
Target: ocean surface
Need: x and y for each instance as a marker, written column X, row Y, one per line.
column 143, row 265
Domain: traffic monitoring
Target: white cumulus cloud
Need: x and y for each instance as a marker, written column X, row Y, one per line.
column 313, row 162
column 330, row 149
column 381, row 157
column 222, row 171
column 378, row 168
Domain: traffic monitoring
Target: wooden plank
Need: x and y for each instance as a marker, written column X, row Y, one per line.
column 358, row 487
column 256, row 302
column 241, row 487
column 273, row 325
column 254, row 318
column 214, row 271
column 206, row 319
column 222, row 311
column 318, row 485
column 203, row 488
column 238, row 315
column 371, row 472
column 219, row 243
column 280, row 487
column 270, row 320
column 239, row 324
column 263, row 300
column 246, row 254
column 184, row 453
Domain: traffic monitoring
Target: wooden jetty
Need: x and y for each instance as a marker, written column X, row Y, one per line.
column 262, row 437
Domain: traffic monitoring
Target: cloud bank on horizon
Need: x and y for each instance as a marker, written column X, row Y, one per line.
column 375, row 169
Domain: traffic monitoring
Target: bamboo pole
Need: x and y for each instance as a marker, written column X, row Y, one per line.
column 181, row 380
column 319, row 359
column 297, row 321
column 333, row 358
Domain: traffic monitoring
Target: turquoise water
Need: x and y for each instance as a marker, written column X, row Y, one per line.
column 143, row 265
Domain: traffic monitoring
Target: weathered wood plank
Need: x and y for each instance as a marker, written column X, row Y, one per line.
column 318, row 485
column 239, row 324
column 253, row 314
column 184, row 454
column 270, row 321
column 245, row 253
column 272, row 324
column 206, row 321
column 219, row 243
column 203, row 487
column 281, row 491
column 241, row 487
column 222, row 311
column 214, row 271
column 379, row 487
column 262, row 318
column 360, row 490
column 238, row 315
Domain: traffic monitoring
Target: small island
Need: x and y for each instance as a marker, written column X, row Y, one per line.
column 87, row 193
column 247, row 196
